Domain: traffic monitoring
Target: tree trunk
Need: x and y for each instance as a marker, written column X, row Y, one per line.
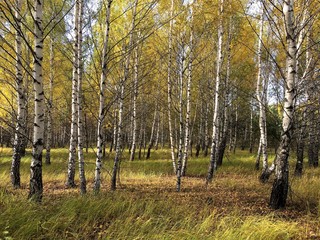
column 20, row 124
column 231, row 129
column 206, row 131
column 200, row 135
column 181, row 62
column 223, row 141
column 115, row 168
column 257, row 165
column 251, row 130
column 300, row 146
column 157, row 133
column 151, row 142
column 162, row 131
column 36, row 185
column 103, row 79
column 50, row 99
column 244, row 140
column 279, row 192
column 74, row 111
column 135, row 96
column 119, row 139
column 142, row 130
column 261, row 97
column 216, row 116
column 187, row 124
column 170, row 89
column 234, row 145
column 86, row 132
column 82, row 177
column 25, row 137
column 115, row 127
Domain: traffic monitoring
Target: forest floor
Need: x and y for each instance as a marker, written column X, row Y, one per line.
column 146, row 205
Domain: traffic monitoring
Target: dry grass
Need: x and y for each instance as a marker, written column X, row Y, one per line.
column 146, row 205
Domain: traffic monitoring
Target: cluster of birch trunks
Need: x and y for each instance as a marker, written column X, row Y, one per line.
column 193, row 106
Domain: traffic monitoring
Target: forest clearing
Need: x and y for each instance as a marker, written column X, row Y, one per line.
column 147, row 206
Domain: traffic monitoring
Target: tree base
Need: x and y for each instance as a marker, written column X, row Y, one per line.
column 279, row 194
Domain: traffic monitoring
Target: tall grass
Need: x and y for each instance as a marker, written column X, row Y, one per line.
column 118, row 216
column 146, row 206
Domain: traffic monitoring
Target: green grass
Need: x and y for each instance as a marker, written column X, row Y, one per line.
column 146, row 206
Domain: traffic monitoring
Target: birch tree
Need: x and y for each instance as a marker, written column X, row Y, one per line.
column 20, row 123
column 181, row 62
column 261, row 98
column 121, row 99
column 216, row 116
column 169, row 84
column 36, row 185
column 135, row 96
column 188, row 112
column 49, row 104
column 83, row 183
column 103, row 79
column 223, row 140
column 280, row 187
column 152, row 138
column 74, row 109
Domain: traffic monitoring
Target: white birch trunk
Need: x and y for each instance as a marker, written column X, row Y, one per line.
column 199, row 140
column 115, row 127
column 162, row 119
column 50, row 100
column 216, row 117
column 20, row 124
column 36, row 185
column 103, row 79
column 135, row 96
column 187, row 124
column 257, row 165
column 119, row 139
column 251, row 129
column 170, row 89
column 156, row 143
column 181, row 125
column 281, row 183
column 260, row 93
column 74, row 109
column 121, row 99
column 223, row 141
column 82, row 177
